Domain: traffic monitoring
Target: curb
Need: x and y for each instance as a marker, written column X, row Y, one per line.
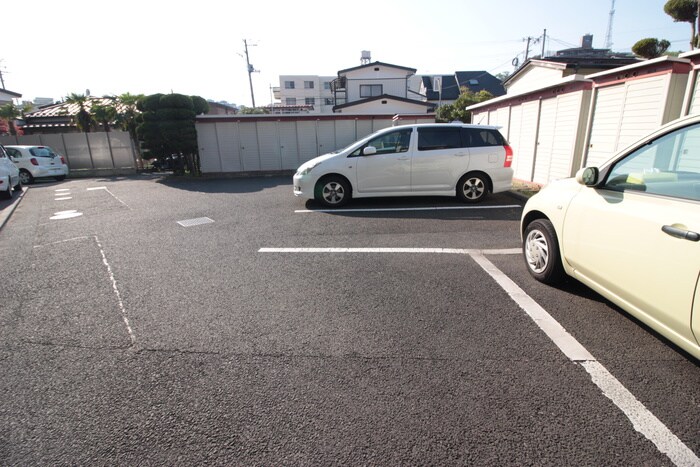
column 7, row 212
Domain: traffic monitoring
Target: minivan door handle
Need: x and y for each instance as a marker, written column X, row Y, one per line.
column 461, row 154
column 681, row 233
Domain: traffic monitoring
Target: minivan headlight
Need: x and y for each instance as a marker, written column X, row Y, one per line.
column 307, row 169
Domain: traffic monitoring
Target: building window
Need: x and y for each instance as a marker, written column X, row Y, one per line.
column 327, row 85
column 308, row 84
column 329, row 101
column 289, row 85
column 370, row 90
column 309, row 101
column 291, row 101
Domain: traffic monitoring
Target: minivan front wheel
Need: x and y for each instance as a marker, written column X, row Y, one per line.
column 472, row 188
column 333, row 191
column 541, row 252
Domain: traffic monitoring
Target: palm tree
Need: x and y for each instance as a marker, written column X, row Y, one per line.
column 10, row 112
column 104, row 114
column 83, row 117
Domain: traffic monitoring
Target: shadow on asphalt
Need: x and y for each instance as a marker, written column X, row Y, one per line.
column 226, row 185
column 427, row 207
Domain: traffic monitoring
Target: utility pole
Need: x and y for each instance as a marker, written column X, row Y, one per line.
column 544, row 39
column 251, row 70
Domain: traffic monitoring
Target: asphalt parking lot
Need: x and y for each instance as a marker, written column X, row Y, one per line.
column 166, row 321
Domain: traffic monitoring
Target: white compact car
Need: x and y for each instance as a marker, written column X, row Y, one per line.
column 630, row 230
column 38, row 162
column 467, row 161
column 9, row 175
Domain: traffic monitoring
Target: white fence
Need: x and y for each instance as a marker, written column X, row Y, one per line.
column 276, row 143
column 85, row 151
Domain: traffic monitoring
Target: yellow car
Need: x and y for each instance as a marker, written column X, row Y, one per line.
column 630, row 230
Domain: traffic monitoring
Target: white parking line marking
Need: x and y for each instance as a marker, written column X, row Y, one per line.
column 437, row 208
column 132, row 336
column 62, row 189
column 63, row 198
column 458, row 251
column 61, row 241
column 113, row 280
column 641, row 418
column 61, row 215
column 94, row 188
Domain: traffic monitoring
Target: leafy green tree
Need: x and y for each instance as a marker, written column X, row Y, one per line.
column 684, row 11
column 253, row 110
column 83, row 119
column 502, row 76
column 456, row 111
column 650, row 47
column 168, row 126
column 10, row 112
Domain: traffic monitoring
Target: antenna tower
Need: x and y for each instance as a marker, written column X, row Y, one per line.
column 608, row 36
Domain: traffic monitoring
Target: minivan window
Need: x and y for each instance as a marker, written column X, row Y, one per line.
column 479, row 137
column 430, row 139
column 388, row 143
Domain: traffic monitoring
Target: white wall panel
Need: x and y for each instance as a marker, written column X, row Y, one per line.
column 566, row 134
column 607, row 114
column 208, row 148
column 229, row 146
column 545, row 140
column 306, row 136
column 516, row 117
column 644, row 108
column 289, row 149
column 269, row 146
column 326, row 136
column 250, row 154
column 695, row 97
column 344, row 133
column 527, row 140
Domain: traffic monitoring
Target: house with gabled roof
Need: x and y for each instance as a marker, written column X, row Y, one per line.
column 6, row 97
column 377, row 88
column 451, row 85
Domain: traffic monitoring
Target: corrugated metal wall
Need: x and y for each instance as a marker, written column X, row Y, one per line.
column 85, row 151
column 272, row 144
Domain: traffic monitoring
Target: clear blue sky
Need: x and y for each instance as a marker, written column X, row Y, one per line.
column 52, row 48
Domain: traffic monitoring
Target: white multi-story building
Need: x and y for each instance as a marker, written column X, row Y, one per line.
column 304, row 93
column 369, row 88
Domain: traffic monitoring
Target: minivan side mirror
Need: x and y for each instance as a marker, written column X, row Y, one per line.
column 369, row 150
column 588, row 176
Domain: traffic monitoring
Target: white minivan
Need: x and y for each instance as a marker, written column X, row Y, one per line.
column 441, row 159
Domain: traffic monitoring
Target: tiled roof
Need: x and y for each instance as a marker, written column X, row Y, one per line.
column 66, row 109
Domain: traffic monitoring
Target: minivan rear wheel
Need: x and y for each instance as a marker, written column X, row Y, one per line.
column 472, row 188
